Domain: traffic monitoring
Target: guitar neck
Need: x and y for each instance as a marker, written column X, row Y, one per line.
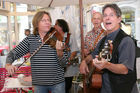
column 91, row 71
column 87, row 79
column 100, row 56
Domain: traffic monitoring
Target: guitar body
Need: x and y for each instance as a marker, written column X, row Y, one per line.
column 95, row 80
column 93, row 90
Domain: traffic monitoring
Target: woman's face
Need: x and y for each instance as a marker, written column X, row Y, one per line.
column 44, row 24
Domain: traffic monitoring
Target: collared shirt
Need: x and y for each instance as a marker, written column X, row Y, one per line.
column 46, row 69
column 91, row 37
column 126, row 56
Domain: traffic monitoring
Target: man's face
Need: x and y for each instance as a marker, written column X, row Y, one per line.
column 110, row 20
column 27, row 33
column 97, row 20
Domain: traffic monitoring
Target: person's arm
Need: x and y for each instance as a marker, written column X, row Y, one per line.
column 73, row 47
column 115, row 68
column 83, row 66
column 126, row 58
column 88, row 59
column 60, row 53
column 10, row 68
column 14, row 54
column 86, row 52
column 73, row 55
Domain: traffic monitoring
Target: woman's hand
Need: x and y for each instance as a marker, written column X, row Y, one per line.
column 59, row 45
column 59, row 48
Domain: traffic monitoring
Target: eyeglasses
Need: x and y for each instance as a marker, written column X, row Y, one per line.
column 110, row 15
column 44, row 20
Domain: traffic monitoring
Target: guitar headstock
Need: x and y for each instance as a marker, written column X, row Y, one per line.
column 106, row 51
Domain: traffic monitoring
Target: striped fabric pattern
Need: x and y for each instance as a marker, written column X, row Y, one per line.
column 45, row 66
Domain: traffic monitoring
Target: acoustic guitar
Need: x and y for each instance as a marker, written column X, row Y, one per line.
column 94, row 77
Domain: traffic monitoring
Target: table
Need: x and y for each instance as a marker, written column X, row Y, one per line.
column 15, row 84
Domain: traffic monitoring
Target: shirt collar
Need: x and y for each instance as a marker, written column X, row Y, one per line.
column 112, row 35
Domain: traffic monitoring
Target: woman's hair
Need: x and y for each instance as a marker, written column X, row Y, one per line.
column 115, row 7
column 63, row 24
column 37, row 18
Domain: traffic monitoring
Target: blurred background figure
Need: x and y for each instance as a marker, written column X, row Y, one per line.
column 27, row 32
column 71, row 69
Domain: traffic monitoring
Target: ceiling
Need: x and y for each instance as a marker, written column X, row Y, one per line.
column 45, row 3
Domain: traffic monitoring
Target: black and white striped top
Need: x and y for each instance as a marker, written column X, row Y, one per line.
column 46, row 70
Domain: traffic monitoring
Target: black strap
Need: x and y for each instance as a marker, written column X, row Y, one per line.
column 121, row 34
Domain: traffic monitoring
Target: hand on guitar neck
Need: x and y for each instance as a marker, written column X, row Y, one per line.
column 102, row 60
column 94, row 77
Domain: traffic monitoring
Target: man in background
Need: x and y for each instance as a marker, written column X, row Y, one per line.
column 27, row 32
column 95, row 35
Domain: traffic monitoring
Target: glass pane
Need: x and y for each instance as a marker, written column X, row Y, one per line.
column 23, row 25
column 128, row 16
column 13, row 39
column 21, row 7
column 4, row 42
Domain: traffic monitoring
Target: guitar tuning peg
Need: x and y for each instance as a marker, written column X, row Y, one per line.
column 110, row 41
column 106, row 52
column 103, row 50
column 106, row 44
